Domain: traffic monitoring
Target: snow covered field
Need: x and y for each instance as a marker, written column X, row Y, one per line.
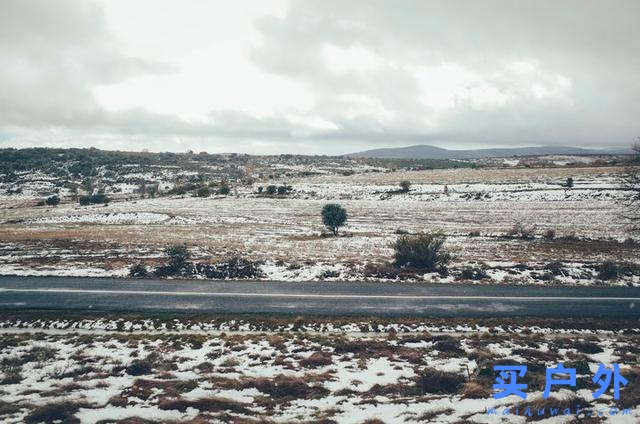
column 131, row 373
column 284, row 234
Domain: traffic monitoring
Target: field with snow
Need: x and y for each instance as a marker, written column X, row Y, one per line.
column 115, row 370
column 284, row 236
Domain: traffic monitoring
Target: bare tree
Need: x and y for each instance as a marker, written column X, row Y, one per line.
column 631, row 183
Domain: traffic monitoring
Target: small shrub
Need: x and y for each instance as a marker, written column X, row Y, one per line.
column 203, row 192
column 475, row 390
column 555, row 268
column 52, row 201
column 328, row 274
column 569, row 183
column 608, row 271
column 178, row 253
column 288, row 387
column 139, row 367
column 317, row 359
column 7, row 408
column 119, row 401
column 178, row 256
column 284, row 189
column 40, row 354
column 519, row 230
column 587, row 347
column 12, row 374
column 271, row 190
column 473, row 273
column 400, row 231
column 54, row 412
column 581, row 367
column 434, row 381
column 405, row 186
column 474, row 233
column 138, row 271
column 423, row 251
column 236, row 268
column 334, row 216
column 99, row 198
column 550, row 234
column 448, row 345
column 93, row 199
column 210, row 404
column 387, row 271
column 224, row 190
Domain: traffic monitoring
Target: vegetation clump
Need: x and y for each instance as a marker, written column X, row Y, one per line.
column 98, row 198
column 138, row 270
column 441, row 382
column 608, row 271
column 569, row 183
column 235, row 268
column 423, row 251
column 474, row 273
column 224, row 189
column 334, row 216
column 178, row 264
column 52, row 201
column 58, row 412
column 203, row 191
column 139, row 367
column 519, row 230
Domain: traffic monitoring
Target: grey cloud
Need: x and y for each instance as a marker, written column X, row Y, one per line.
column 594, row 44
column 55, row 53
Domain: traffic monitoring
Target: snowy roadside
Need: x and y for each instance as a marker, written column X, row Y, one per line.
column 294, row 376
column 536, row 273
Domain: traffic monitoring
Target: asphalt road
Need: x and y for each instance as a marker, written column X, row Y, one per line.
column 317, row 298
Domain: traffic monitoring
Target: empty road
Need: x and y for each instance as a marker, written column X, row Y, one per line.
column 326, row 298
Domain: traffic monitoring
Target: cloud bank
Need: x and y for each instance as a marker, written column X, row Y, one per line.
column 318, row 76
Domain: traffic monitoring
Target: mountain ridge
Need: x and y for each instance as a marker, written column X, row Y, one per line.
column 424, row 151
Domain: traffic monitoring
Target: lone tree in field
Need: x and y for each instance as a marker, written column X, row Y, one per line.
column 422, row 251
column 631, row 183
column 334, row 216
column 569, row 183
column 405, row 185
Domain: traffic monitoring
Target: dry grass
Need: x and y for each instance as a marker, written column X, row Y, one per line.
column 434, row 381
column 291, row 237
column 317, row 359
column 477, row 390
column 571, row 401
column 210, row 404
column 284, row 387
column 431, row 415
column 56, row 412
column 144, row 389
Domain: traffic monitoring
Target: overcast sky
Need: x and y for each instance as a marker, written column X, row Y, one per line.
column 318, row 76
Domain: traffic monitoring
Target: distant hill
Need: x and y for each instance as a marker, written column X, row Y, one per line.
column 432, row 152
